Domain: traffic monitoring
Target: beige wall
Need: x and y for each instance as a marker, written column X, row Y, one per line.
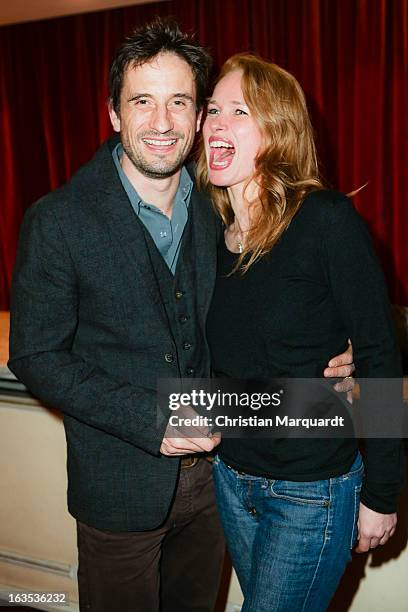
column 37, row 535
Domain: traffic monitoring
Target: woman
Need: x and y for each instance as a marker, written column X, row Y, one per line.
column 297, row 276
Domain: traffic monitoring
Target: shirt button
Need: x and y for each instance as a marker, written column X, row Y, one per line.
column 169, row 357
column 183, row 319
column 186, row 346
column 189, row 371
column 179, row 295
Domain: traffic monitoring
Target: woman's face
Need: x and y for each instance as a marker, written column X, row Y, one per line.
column 232, row 138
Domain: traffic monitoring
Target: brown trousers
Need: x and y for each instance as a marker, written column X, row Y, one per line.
column 175, row 568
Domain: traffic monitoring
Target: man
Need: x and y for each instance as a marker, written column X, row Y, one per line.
column 112, row 285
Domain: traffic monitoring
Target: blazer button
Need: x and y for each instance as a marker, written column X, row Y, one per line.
column 179, row 295
column 186, row 346
column 189, row 371
column 169, row 357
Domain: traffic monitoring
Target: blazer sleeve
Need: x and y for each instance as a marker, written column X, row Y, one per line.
column 361, row 297
column 44, row 319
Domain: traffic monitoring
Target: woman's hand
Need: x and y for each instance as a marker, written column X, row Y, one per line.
column 374, row 528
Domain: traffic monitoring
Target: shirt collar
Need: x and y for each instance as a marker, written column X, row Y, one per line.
column 183, row 191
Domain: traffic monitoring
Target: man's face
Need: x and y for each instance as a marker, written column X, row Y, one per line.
column 158, row 118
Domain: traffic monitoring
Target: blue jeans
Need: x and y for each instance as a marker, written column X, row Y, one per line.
column 289, row 541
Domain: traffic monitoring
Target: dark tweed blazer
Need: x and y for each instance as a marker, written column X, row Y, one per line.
column 89, row 335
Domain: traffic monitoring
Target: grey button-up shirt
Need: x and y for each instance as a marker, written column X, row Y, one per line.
column 166, row 233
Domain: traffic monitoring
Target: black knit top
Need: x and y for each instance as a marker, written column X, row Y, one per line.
column 288, row 316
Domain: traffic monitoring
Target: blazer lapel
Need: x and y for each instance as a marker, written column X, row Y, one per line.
column 113, row 203
column 205, row 245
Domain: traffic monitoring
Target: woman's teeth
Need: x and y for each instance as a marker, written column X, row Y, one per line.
column 221, row 153
column 216, row 144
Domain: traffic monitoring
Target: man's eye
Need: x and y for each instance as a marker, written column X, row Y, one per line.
column 141, row 102
column 179, row 103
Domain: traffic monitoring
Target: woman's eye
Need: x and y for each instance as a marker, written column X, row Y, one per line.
column 212, row 111
column 240, row 111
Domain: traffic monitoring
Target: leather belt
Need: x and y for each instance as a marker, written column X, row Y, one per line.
column 188, row 462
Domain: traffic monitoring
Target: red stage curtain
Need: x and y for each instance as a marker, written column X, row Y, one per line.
column 351, row 57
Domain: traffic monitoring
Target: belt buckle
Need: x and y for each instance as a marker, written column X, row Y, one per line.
column 188, row 462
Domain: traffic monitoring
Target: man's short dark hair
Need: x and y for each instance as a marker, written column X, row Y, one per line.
column 146, row 42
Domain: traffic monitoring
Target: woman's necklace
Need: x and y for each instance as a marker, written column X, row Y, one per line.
column 236, row 237
column 240, row 236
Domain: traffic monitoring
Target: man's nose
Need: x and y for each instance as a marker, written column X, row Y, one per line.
column 161, row 120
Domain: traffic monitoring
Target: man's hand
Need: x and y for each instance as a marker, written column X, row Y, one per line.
column 174, row 447
column 342, row 366
column 186, row 439
column 374, row 528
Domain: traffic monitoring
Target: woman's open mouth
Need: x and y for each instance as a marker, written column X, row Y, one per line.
column 222, row 153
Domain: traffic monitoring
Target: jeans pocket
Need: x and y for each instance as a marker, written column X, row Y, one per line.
column 354, row 533
column 315, row 493
column 357, row 469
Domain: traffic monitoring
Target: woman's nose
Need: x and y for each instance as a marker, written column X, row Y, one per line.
column 218, row 123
